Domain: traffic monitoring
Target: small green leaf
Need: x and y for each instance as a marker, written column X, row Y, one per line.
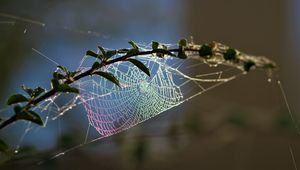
column 58, row 76
column 18, row 109
column 63, row 68
column 96, row 65
column 108, row 76
column 182, row 43
column 133, row 44
column 54, row 84
column 205, row 51
column 164, row 47
column 67, row 89
column 4, row 147
column 37, row 91
column 29, row 116
column 33, row 92
column 230, row 54
column 16, row 98
column 103, row 52
column 91, row 53
column 248, row 65
column 111, row 53
column 181, row 55
column 29, row 91
column 140, row 65
column 132, row 52
column 155, row 45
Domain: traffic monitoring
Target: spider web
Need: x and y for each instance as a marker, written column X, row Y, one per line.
column 111, row 109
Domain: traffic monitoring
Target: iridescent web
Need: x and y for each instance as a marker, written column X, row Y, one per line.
column 111, row 109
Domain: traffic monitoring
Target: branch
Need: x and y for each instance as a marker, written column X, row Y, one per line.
column 61, row 81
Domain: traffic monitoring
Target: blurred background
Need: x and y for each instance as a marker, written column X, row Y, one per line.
column 243, row 124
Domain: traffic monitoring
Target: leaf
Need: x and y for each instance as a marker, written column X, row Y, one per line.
column 4, row 147
column 164, row 47
column 111, row 53
column 29, row 115
column 16, row 98
column 37, row 91
column 108, row 76
column 103, row 52
column 54, row 83
column 67, row 89
column 205, row 51
column 63, row 68
column 18, row 109
column 155, row 45
column 33, row 92
column 133, row 44
column 248, row 65
column 140, row 65
column 29, row 91
column 58, row 76
column 91, row 53
column 132, row 52
column 96, row 65
column 182, row 43
column 230, row 54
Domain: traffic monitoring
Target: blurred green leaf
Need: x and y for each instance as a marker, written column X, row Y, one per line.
column 33, row 92
column 192, row 123
column 28, row 90
column 155, row 45
column 111, row 53
column 132, row 52
column 140, row 65
column 67, row 89
column 140, row 150
column 230, row 54
column 248, row 65
column 133, row 44
column 205, row 51
column 63, row 68
column 58, row 76
column 16, row 98
column 38, row 91
column 285, row 121
column 164, row 47
column 238, row 119
column 27, row 150
column 91, row 53
column 54, row 83
column 103, row 52
column 96, row 65
column 108, row 76
column 18, row 109
column 4, row 147
column 182, row 43
column 28, row 115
